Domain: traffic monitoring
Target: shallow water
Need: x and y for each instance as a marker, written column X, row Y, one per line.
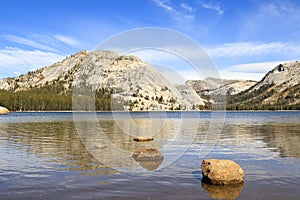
column 88, row 156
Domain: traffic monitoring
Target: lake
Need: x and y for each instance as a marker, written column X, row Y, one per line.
column 61, row 155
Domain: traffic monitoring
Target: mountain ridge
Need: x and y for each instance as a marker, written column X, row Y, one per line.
column 136, row 84
column 279, row 89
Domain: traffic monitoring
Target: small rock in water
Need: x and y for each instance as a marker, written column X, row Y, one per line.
column 221, row 172
column 3, row 110
column 143, row 139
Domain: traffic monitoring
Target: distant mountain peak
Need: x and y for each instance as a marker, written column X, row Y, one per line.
column 279, row 89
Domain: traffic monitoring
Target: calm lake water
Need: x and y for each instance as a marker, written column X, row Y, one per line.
column 88, row 156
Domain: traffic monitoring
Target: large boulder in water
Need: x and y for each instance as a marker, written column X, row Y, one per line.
column 221, row 172
column 3, row 110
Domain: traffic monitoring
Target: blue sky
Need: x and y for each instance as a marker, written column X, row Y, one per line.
column 245, row 39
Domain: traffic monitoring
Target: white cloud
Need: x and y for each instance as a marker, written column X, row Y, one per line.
column 191, row 74
column 277, row 9
column 16, row 61
column 249, row 71
column 175, row 65
column 156, row 55
column 252, row 49
column 67, row 40
column 261, row 67
column 271, row 9
column 212, row 6
column 28, row 42
column 186, row 7
column 164, row 4
column 178, row 15
column 224, row 74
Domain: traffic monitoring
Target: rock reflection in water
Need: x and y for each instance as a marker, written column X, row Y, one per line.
column 107, row 141
column 223, row 192
column 150, row 165
column 109, row 144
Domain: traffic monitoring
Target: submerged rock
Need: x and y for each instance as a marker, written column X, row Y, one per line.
column 148, row 158
column 3, row 110
column 147, row 154
column 221, row 172
column 143, row 139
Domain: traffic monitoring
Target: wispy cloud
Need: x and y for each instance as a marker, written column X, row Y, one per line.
column 183, row 11
column 17, row 61
column 186, row 7
column 271, row 8
column 252, row 49
column 277, row 9
column 165, row 4
column 260, row 67
column 212, row 6
column 28, row 42
column 67, row 40
column 249, row 71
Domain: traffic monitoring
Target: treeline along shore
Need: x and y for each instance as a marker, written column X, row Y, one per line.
column 52, row 98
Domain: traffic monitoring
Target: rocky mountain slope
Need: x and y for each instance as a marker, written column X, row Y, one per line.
column 213, row 86
column 131, row 84
column 136, row 85
column 279, row 89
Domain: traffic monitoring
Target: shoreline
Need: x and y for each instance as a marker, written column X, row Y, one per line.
column 71, row 111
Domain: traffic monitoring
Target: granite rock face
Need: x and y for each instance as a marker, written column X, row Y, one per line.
column 214, row 86
column 3, row 110
column 136, row 85
column 221, row 172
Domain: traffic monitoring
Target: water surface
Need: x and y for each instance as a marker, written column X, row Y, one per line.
column 42, row 156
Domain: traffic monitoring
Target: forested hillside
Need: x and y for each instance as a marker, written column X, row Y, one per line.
column 51, row 98
column 253, row 101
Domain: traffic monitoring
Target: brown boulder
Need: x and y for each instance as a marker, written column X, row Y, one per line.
column 3, row 110
column 221, row 172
